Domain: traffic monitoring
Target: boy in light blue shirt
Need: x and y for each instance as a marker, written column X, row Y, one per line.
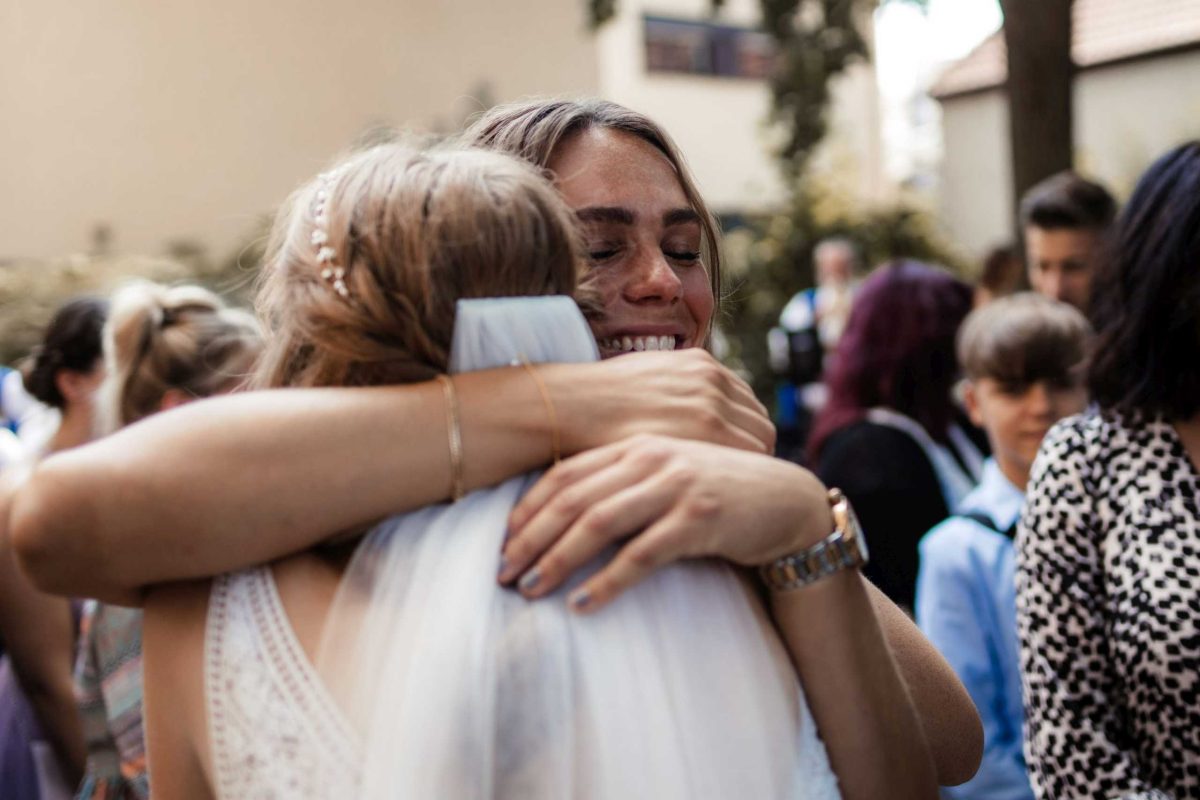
column 1023, row 357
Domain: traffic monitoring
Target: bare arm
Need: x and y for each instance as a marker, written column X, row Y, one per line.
column 234, row 481
column 39, row 635
column 951, row 724
column 876, row 742
column 688, row 499
column 173, row 704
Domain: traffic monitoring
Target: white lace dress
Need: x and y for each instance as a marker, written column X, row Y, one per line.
column 273, row 729
column 458, row 688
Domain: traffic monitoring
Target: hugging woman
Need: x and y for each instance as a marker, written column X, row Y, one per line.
column 698, row 483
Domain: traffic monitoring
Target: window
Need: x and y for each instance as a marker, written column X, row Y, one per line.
column 703, row 48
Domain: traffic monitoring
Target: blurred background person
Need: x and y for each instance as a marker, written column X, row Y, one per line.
column 16, row 403
column 1108, row 552
column 41, row 744
column 26, row 424
column 1002, row 274
column 1024, row 358
column 891, row 436
column 810, row 326
column 1065, row 220
column 163, row 347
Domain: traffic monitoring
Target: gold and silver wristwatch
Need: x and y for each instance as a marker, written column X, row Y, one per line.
column 845, row 548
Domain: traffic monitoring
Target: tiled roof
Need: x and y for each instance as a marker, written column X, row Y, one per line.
column 1104, row 31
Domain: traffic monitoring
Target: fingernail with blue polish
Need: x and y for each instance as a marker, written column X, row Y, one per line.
column 580, row 599
column 503, row 568
column 529, row 580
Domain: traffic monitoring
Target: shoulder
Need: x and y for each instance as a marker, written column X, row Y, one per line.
column 798, row 313
column 1077, row 449
column 869, row 438
column 868, row 453
column 955, row 545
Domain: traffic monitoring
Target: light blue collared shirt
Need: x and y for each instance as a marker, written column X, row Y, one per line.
column 966, row 605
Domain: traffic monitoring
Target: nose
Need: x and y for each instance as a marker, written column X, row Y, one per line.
column 1053, row 285
column 649, row 278
column 1038, row 400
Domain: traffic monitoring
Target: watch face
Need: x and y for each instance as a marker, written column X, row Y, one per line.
column 847, row 522
column 859, row 539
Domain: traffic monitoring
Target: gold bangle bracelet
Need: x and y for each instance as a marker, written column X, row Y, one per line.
column 454, row 437
column 555, row 435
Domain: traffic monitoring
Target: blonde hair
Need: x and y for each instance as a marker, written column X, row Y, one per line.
column 160, row 338
column 533, row 129
column 415, row 231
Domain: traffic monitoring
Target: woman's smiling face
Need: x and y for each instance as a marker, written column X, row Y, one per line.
column 643, row 239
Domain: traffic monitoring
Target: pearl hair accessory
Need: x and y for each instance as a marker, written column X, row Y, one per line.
column 331, row 271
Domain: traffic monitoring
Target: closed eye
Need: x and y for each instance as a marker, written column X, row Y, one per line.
column 603, row 254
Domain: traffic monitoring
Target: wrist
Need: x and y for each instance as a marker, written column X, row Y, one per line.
column 812, row 518
column 562, row 383
column 843, row 548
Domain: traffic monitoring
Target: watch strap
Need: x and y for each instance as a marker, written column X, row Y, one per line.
column 842, row 549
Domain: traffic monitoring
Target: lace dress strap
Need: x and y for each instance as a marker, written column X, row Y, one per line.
column 273, row 728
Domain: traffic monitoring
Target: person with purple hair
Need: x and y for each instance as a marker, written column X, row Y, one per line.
column 891, row 434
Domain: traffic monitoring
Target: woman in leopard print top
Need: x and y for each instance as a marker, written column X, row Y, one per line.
column 1108, row 564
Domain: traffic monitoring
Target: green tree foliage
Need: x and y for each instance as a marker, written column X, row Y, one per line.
column 815, row 40
column 771, row 259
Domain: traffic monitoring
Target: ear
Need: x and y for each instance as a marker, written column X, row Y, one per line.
column 73, row 386
column 173, row 398
column 971, row 403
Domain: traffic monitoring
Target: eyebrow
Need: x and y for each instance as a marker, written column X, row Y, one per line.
column 623, row 216
column 680, row 216
column 615, row 214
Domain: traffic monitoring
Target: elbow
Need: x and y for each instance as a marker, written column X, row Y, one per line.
column 46, row 532
column 957, row 759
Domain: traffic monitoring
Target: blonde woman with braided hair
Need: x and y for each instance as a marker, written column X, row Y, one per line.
column 684, row 429
column 163, row 347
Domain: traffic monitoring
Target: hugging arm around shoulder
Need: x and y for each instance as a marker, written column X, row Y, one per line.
column 155, row 501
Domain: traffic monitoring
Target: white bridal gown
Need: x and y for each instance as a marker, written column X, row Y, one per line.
column 442, row 684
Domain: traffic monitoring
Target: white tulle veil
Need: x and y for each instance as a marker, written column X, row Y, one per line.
column 463, row 689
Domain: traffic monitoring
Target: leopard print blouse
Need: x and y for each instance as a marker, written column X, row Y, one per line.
column 1108, row 609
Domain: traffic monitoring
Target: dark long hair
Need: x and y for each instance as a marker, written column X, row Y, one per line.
column 897, row 350
column 1146, row 296
column 71, row 342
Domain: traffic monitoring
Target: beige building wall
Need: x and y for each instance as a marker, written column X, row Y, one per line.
column 189, row 120
column 718, row 122
column 722, row 123
column 975, row 189
column 1126, row 115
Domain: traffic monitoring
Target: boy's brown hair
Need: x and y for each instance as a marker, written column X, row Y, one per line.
column 1068, row 200
column 1024, row 338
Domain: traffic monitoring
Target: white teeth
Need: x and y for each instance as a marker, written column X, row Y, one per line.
column 625, row 344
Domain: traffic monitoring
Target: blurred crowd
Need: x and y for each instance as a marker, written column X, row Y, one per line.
column 1023, row 456
column 1027, row 451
